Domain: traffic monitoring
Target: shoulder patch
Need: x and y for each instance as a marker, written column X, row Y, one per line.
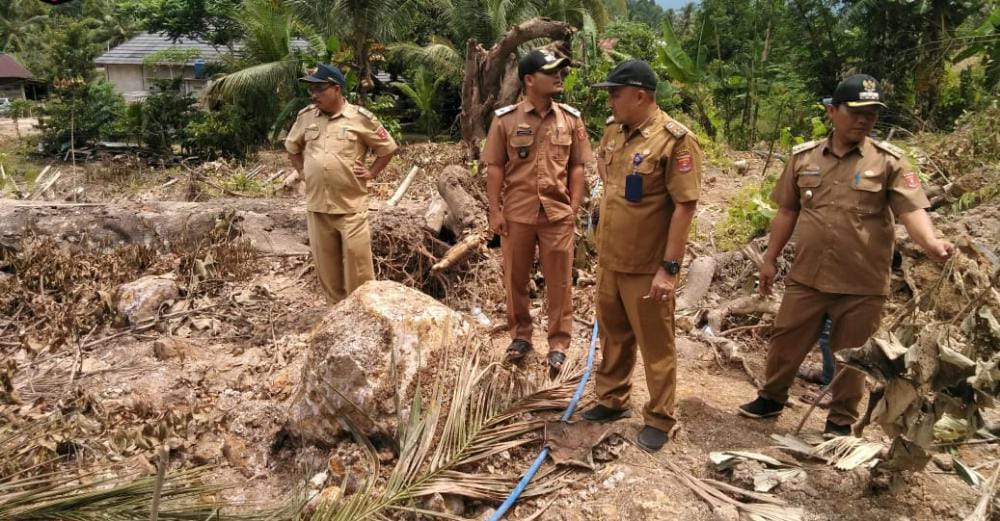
column 808, row 145
column 676, row 128
column 307, row 108
column 504, row 110
column 366, row 113
column 889, row 148
column 610, row 120
column 570, row 109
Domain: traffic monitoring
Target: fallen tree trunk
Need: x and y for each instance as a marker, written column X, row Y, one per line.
column 272, row 226
column 699, row 279
column 465, row 214
column 740, row 306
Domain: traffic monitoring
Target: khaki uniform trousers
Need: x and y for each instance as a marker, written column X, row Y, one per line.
column 555, row 246
column 797, row 328
column 625, row 318
column 342, row 249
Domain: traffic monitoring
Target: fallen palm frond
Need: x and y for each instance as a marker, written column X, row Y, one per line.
column 66, row 496
column 848, row 452
column 489, row 412
column 766, row 507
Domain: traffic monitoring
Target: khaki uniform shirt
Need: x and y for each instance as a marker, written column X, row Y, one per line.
column 844, row 233
column 536, row 153
column 330, row 144
column 632, row 237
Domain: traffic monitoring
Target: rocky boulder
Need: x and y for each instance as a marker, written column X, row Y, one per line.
column 140, row 300
column 378, row 342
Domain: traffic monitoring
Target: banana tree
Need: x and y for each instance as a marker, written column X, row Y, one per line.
column 689, row 75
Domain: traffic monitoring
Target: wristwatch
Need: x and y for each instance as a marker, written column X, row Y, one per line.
column 672, row 267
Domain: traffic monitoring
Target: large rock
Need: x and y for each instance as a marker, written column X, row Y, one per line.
column 349, row 371
column 140, row 300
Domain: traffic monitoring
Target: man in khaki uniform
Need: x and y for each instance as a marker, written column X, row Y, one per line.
column 535, row 153
column 328, row 145
column 840, row 195
column 651, row 166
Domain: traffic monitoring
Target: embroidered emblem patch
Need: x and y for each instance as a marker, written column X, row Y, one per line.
column 381, row 133
column 684, row 162
column 581, row 133
column 911, row 180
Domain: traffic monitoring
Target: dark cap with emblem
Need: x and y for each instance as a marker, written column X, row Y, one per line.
column 633, row 73
column 538, row 60
column 860, row 90
column 325, row 74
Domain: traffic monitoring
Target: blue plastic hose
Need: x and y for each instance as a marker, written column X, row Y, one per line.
column 521, row 485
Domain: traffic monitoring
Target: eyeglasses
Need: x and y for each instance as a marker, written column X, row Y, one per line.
column 319, row 87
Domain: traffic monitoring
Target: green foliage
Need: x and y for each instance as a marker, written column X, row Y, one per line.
column 231, row 131
column 80, row 113
column 209, row 20
column 161, row 119
column 383, row 107
column 73, row 51
column 633, row 39
column 421, row 92
column 749, row 214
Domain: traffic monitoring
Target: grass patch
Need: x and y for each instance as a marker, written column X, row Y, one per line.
column 748, row 216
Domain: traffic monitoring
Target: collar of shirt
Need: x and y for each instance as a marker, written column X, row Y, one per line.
column 526, row 107
column 644, row 127
column 345, row 111
column 861, row 148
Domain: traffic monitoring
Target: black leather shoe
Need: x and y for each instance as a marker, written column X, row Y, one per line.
column 651, row 439
column 517, row 350
column 761, row 408
column 602, row 414
column 833, row 430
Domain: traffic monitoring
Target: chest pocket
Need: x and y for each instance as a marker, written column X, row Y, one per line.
column 653, row 179
column 559, row 146
column 521, row 148
column 311, row 138
column 344, row 142
column 808, row 185
column 868, row 195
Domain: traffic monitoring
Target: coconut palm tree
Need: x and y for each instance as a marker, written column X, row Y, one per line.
column 421, row 92
column 269, row 62
column 19, row 20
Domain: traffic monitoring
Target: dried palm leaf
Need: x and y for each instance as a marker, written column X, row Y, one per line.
column 848, row 452
column 489, row 411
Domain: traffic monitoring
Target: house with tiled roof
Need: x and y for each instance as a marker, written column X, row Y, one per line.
column 135, row 66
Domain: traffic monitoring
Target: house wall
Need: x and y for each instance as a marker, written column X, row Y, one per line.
column 12, row 91
column 125, row 77
column 129, row 78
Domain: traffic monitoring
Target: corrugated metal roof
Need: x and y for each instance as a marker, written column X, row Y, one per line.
column 137, row 49
column 9, row 68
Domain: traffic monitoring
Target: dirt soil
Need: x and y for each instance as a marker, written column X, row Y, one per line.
column 220, row 384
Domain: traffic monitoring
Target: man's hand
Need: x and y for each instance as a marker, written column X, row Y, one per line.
column 362, row 172
column 662, row 287
column 939, row 250
column 498, row 223
column 768, row 270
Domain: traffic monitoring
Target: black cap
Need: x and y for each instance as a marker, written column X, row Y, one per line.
column 539, row 60
column 860, row 90
column 325, row 74
column 634, row 73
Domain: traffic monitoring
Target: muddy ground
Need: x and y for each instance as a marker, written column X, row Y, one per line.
column 221, row 380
